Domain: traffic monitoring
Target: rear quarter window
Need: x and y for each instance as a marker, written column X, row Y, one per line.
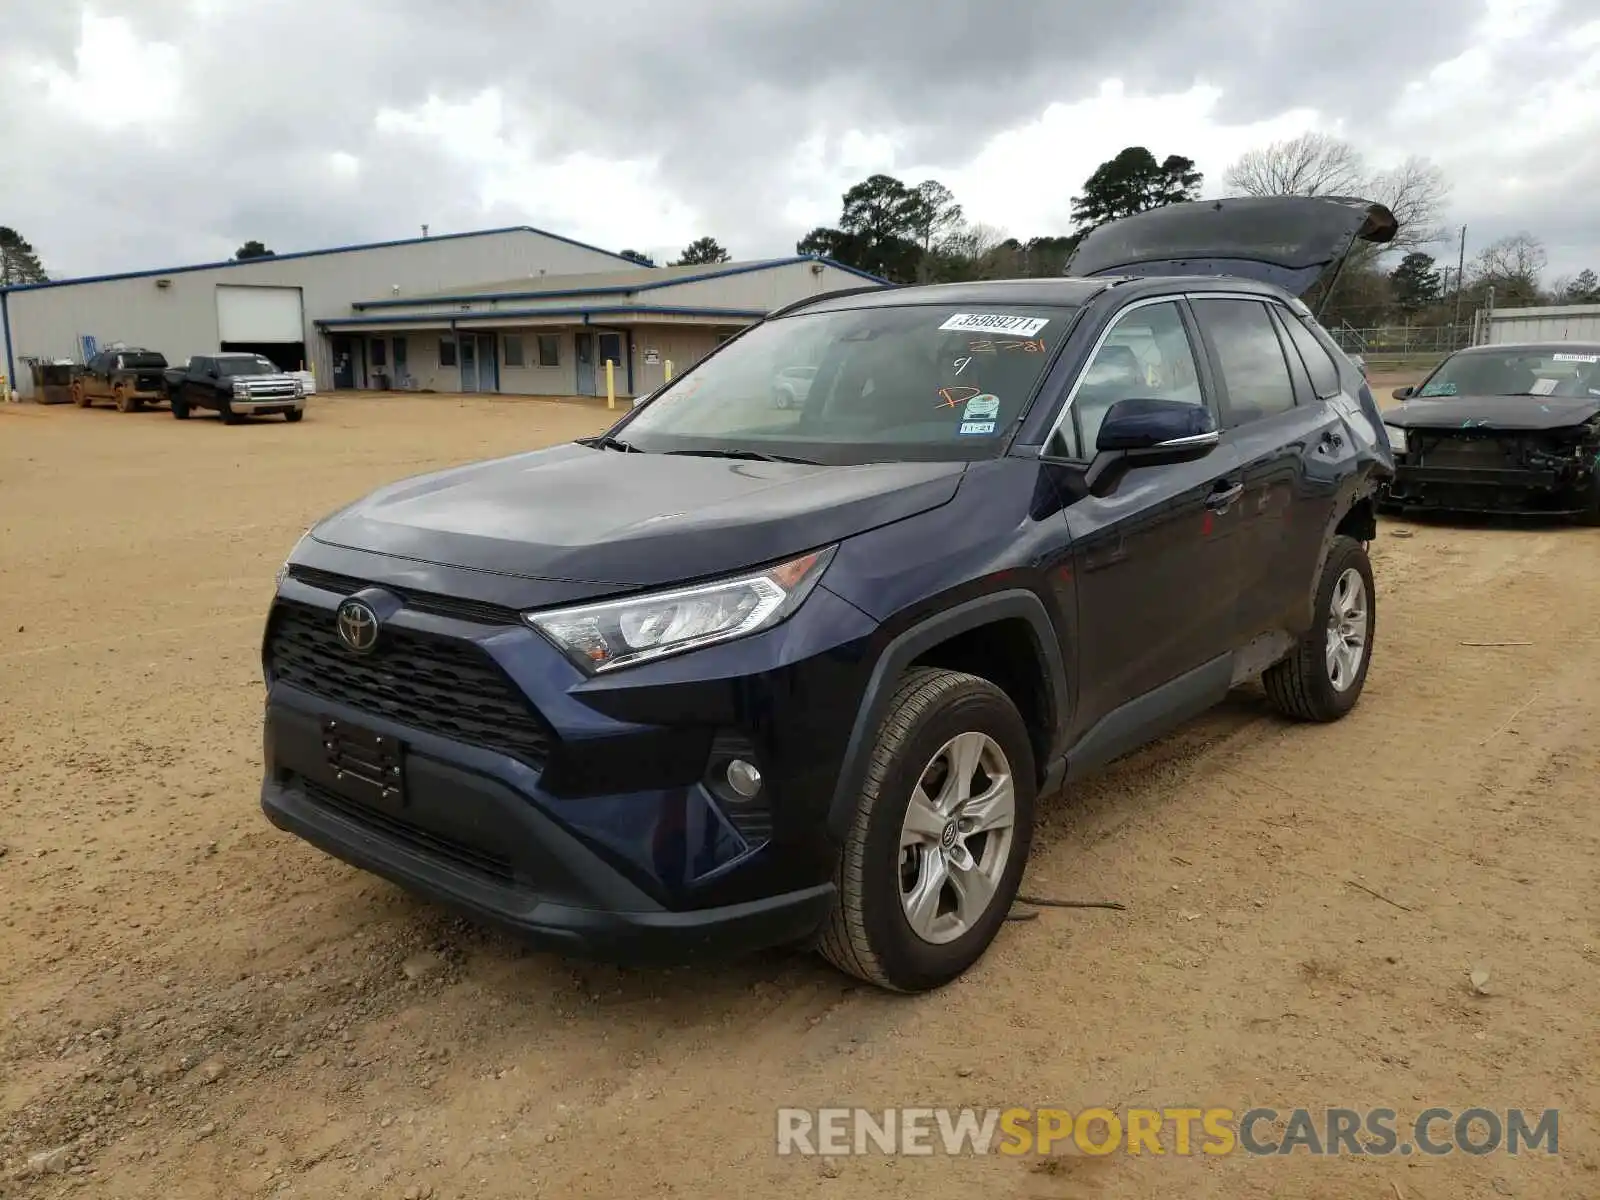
column 1320, row 365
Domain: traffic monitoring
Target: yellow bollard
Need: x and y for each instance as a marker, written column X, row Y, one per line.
column 611, row 384
column 669, row 370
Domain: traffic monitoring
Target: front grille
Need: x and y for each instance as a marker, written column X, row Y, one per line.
column 424, row 841
column 1469, row 452
column 268, row 391
column 424, row 602
column 439, row 685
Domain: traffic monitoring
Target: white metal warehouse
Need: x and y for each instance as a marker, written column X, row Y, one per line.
column 414, row 314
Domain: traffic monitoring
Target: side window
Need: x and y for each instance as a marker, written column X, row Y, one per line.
column 447, row 352
column 1248, row 356
column 1146, row 355
column 1324, row 375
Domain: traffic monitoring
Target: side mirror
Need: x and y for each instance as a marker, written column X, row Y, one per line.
column 1140, row 432
column 1404, row 393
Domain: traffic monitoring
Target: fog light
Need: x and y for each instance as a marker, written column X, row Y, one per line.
column 743, row 778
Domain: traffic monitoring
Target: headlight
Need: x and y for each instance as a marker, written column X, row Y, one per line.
column 617, row 633
column 1397, row 438
column 238, row 387
column 283, row 571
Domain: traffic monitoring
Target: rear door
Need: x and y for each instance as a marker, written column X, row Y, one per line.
column 1289, row 443
column 97, row 377
column 1156, row 559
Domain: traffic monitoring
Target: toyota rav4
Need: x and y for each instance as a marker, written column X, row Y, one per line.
column 730, row 675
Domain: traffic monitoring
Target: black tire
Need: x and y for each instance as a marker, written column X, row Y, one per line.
column 294, row 414
column 868, row 934
column 80, row 396
column 1302, row 686
column 229, row 417
column 180, row 408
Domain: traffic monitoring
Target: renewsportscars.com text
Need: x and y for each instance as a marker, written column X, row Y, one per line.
column 841, row 1132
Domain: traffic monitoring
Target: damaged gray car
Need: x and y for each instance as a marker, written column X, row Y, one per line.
column 1503, row 429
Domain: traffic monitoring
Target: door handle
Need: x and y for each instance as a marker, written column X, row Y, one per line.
column 1223, row 494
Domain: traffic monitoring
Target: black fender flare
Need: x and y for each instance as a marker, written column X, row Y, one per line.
column 905, row 647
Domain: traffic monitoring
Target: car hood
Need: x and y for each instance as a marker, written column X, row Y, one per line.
column 1287, row 241
column 1493, row 412
column 580, row 515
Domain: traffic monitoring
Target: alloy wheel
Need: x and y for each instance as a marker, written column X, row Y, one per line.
column 1347, row 629
column 956, row 838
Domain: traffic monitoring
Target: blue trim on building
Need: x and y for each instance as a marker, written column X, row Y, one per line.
column 617, row 290
column 742, row 314
column 5, row 331
column 294, row 254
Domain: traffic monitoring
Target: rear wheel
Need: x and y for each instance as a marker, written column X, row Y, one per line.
column 125, row 402
column 935, row 854
column 1324, row 675
column 79, row 396
column 1591, row 515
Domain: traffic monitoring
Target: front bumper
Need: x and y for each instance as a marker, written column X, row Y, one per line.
column 600, row 833
column 266, row 404
column 1486, row 490
column 548, row 889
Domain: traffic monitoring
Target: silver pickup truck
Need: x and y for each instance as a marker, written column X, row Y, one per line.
column 235, row 385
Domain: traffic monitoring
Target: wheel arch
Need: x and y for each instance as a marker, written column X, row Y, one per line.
column 947, row 638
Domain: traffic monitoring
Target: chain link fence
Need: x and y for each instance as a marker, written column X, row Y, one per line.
column 1401, row 342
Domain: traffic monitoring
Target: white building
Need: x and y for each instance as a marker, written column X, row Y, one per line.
column 553, row 335
column 1548, row 323
column 413, row 314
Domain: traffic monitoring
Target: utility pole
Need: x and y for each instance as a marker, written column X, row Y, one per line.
column 1461, row 266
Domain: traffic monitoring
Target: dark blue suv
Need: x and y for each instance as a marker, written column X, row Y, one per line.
column 738, row 674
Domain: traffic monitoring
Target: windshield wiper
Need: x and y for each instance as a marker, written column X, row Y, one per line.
column 612, row 443
column 752, row 455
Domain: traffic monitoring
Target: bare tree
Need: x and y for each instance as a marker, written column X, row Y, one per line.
column 1415, row 191
column 1317, row 164
column 1313, row 164
column 1516, row 256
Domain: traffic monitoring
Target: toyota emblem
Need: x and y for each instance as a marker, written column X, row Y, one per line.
column 358, row 626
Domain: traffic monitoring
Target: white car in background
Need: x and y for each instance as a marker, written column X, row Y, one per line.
column 792, row 386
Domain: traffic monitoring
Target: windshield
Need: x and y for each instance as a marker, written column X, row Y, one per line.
column 1517, row 372
column 245, row 366
column 873, row 384
column 136, row 362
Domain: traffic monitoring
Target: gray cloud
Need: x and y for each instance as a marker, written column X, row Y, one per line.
column 720, row 94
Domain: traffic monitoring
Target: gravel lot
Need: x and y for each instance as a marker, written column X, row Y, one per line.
column 196, row 1005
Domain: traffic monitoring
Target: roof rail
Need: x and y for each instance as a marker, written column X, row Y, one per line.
column 833, row 295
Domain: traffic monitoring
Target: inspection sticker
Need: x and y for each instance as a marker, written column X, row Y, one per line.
column 1589, row 358
column 977, row 427
column 996, row 323
column 982, row 408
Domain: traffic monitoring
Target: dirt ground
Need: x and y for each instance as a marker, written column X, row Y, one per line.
column 197, row 1005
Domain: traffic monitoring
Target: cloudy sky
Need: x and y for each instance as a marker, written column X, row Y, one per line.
column 145, row 133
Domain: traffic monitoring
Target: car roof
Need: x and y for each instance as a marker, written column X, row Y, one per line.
column 1060, row 291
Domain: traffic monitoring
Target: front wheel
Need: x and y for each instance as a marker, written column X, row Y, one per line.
column 294, row 414
column 935, row 854
column 1323, row 676
column 229, row 417
column 1591, row 515
column 180, row 407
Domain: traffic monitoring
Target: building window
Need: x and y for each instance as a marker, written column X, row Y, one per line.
column 447, row 352
column 549, row 350
column 379, row 353
column 513, row 353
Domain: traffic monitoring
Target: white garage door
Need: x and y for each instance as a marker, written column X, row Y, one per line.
column 259, row 314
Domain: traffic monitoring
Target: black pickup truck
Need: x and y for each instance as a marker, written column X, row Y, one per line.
column 129, row 376
column 235, row 385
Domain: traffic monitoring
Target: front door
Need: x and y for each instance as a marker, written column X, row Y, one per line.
column 583, row 343
column 469, row 363
column 400, row 374
column 1156, row 558
column 488, row 363
column 610, row 351
column 344, row 363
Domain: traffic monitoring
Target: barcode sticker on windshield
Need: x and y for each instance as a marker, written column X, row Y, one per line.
column 1589, row 358
column 996, row 323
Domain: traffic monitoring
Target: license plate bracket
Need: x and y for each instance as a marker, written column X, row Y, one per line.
column 367, row 767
